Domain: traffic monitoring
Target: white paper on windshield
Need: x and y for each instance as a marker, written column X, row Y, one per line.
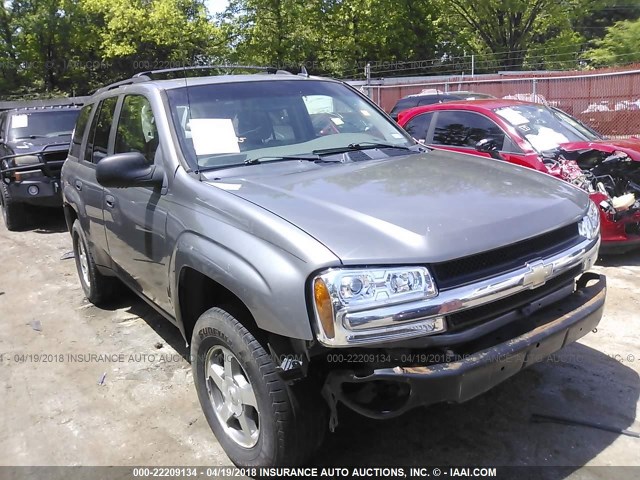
column 213, row 135
column 512, row 116
column 318, row 104
column 337, row 121
column 546, row 139
column 20, row 121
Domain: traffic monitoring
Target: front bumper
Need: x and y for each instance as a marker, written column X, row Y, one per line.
column 613, row 247
column 379, row 326
column 546, row 332
column 49, row 193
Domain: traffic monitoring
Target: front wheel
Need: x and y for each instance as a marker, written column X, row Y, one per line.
column 13, row 213
column 257, row 418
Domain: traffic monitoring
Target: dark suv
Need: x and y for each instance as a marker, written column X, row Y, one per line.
column 420, row 99
column 34, row 143
column 308, row 264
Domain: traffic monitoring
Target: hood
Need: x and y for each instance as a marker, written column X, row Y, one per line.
column 630, row 146
column 417, row 208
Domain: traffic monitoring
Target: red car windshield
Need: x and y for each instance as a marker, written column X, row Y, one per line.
column 545, row 128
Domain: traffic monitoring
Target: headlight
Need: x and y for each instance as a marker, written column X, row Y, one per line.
column 338, row 292
column 26, row 160
column 589, row 226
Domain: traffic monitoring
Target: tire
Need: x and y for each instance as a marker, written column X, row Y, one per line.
column 98, row 288
column 283, row 427
column 13, row 213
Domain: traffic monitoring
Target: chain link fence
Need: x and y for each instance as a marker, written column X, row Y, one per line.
column 608, row 101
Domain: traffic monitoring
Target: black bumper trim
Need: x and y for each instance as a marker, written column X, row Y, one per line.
column 556, row 326
column 49, row 192
column 620, row 247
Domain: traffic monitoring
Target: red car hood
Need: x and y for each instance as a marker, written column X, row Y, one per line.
column 630, row 146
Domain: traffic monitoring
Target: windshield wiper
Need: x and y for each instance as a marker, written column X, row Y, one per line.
column 31, row 136
column 360, row 146
column 285, row 158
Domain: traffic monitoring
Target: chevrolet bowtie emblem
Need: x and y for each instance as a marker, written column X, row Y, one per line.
column 537, row 274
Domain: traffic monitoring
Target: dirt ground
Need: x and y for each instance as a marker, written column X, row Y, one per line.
column 55, row 412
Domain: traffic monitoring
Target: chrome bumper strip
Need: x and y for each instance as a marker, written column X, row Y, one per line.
column 427, row 317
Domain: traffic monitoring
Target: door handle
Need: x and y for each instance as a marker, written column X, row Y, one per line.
column 78, row 185
column 110, row 201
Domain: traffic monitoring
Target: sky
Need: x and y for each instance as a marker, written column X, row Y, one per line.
column 216, row 6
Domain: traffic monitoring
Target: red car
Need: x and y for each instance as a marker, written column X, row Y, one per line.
column 546, row 139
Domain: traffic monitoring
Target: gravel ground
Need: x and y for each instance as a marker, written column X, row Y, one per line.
column 145, row 411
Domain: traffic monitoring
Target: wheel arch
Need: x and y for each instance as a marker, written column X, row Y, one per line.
column 265, row 287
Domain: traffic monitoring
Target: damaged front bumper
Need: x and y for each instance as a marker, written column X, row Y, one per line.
column 477, row 371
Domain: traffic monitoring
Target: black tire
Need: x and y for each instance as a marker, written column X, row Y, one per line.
column 13, row 213
column 98, row 288
column 291, row 419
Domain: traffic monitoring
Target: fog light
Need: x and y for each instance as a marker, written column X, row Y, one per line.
column 33, row 190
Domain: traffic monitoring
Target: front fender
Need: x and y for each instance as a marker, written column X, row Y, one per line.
column 267, row 279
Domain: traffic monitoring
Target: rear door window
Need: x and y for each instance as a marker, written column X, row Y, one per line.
column 98, row 143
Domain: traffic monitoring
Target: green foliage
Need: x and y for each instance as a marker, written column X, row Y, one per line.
column 331, row 36
column 560, row 52
column 619, row 46
column 509, row 28
column 73, row 46
column 78, row 45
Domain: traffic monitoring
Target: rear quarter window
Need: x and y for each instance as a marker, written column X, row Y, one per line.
column 403, row 104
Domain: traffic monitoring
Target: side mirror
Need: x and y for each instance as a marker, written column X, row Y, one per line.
column 127, row 170
column 490, row 146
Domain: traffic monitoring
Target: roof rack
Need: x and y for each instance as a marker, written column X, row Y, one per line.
column 152, row 73
column 49, row 107
column 149, row 75
column 128, row 81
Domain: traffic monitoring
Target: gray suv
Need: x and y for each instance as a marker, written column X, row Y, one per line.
column 312, row 254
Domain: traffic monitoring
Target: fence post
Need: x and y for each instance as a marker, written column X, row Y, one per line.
column 533, row 90
column 367, row 72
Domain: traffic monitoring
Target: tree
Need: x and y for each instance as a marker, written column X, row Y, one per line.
column 619, row 46
column 39, row 33
column 7, row 50
column 157, row 32
column 507, row 27
column 332, row 36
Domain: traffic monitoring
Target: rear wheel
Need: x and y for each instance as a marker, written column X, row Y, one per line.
column 98, row 288
column 13, row 213
column 257, row 418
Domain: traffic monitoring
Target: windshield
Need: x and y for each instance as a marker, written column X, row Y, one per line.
column 545, row 128
column 42, row 124
column 220, row 125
